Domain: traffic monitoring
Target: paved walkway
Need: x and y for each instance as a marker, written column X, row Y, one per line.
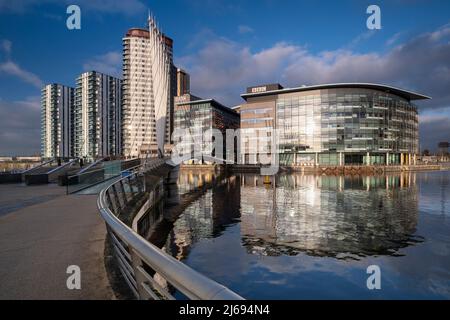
column 42, row 232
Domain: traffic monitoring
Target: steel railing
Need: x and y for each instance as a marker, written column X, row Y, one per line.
column 37, row 167
column 67, row 164
column 92, row 165
column 92, row 178
column 148, row 271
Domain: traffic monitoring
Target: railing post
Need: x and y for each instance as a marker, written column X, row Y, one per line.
column 116, row 199
column 122, row 188
column 108, row 199
column 135, row 255
column 139, row 277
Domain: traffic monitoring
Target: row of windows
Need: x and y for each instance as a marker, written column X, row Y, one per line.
column 256, row 111
column 363, row 119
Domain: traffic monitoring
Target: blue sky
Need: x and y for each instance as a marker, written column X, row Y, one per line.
column 226, row 46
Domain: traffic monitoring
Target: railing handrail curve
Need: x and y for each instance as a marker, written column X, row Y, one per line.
column 188, row 281
column 69, row 163
column 38, row 166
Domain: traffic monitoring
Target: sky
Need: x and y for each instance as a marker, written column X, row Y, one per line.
column 226, row 46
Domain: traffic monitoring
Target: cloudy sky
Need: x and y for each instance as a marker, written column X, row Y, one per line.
column 227, row 45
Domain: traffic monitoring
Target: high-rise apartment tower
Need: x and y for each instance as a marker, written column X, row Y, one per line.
column 57, row 121
column 183, row 82
column 148, row 91
column 97, row 116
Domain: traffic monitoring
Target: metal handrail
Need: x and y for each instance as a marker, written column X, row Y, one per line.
column 92, row 184
column 133, row 253
column 63, row 166
column 38, row 166
column 93, row 164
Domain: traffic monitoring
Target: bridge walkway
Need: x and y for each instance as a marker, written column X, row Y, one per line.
column 42, row 232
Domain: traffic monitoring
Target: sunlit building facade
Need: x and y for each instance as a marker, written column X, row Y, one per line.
column 183, row 82
column 199, row 116
column 97, row 116
column 57, row 121
column 148, row 80
column 334, row 124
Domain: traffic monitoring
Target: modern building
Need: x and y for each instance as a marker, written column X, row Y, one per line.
column 200, row 115
column 148, row 80
column 57, row 121
column 443, row 147
column 237, row 108
column 333, row 124
column 443, row 150
column 183, row 82
column 98, row 116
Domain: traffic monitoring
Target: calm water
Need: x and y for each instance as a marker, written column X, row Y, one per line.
column 312, row 237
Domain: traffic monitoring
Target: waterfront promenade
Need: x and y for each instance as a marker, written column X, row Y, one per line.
column 42, row 232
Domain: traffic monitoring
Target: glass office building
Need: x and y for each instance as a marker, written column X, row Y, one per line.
column 200, row 115
column 337, row 124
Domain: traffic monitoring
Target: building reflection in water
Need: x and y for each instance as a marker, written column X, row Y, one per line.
column 338, row 216
column 346, row 217
column 206, row 217
column 201, row 205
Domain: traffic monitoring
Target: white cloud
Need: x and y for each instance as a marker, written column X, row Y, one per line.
column 394, row 39
column 441, row 33
column 222, row 68
column 109, row 63
column 20, row 126
column 434, row 127
column 14, row 69
column 425, row 119
column 361, row 38
column 244, row 29
column 11, row 68
column 6, row 46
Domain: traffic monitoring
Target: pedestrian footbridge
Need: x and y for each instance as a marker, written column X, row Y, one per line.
column 44, row 229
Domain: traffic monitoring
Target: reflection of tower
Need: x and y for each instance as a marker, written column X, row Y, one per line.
column 226, row 204
column 207, row 216
column 257, row 207
column 444, row 193
column 330, row 215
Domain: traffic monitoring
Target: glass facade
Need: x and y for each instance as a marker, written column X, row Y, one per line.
column 345, row 125
column 202, row 116
column 195, row 115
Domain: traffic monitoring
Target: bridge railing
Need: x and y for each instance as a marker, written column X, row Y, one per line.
column 148, row 271
column 107, row 170
column 37, row 166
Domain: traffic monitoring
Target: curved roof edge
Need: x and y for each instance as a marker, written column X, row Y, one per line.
column 409, row 95
column 212, row 101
